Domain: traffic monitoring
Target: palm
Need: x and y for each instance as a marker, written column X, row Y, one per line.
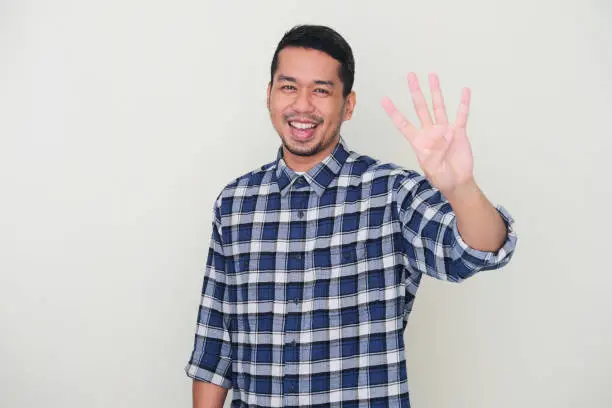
column 442, row 149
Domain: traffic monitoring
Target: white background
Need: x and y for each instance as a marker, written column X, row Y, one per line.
column 121, row 120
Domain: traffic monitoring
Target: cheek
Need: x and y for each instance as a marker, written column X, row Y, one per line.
column 330, row 109
column 332, row 117
column 275, row 112
column 279, row 116
column 277, row 108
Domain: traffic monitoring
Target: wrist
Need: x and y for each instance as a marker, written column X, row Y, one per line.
column 464, row 192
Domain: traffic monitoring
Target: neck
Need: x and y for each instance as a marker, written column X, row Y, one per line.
column 305, row 163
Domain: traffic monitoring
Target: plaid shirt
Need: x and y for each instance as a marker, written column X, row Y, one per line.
column 310, row 280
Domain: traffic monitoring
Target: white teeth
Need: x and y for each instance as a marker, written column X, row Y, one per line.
column 302, row 125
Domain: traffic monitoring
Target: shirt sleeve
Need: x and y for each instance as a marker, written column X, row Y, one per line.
column 432, row 241
column 211, row 358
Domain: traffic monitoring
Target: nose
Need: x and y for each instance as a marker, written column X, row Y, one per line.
column 302, row 101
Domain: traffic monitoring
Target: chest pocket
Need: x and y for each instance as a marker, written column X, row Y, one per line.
column 349, row 272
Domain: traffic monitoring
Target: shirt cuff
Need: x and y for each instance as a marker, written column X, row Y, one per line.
column 487, row 259
column 206, row 367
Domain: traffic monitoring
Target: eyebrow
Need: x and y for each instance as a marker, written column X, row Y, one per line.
column 292, row 79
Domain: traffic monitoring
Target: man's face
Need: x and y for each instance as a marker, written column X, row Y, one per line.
column 306, row 103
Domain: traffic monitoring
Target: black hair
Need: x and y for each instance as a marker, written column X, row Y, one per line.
column 324, row 39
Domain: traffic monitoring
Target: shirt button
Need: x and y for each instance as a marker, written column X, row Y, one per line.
column 301, row 213
column 298, row 256
column 296, row 300
column 292, row 343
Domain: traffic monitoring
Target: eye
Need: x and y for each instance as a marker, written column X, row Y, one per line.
column 288, row 87
column 322, row 91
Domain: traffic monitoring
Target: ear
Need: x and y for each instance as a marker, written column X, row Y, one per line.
column 268, row 95
column 349, row 105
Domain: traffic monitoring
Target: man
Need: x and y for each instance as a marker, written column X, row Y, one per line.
column 316, row 257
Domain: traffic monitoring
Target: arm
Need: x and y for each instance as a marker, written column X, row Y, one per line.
column 453, row 229
column 210, row 364
column 434, row 244
column 478, row 222
column 207, row 395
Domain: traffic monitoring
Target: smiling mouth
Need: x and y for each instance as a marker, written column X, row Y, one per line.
column 302, row 131
column 302, row 125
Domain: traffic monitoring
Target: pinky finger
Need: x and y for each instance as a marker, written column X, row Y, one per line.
column 400, row 122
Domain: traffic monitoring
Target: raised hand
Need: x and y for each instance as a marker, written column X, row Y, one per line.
column 442, row 149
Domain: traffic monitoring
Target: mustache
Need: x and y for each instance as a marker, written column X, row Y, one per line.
column 290, row 117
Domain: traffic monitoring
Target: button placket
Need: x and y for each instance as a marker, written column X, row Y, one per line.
column 291, row 353
column 300, row 182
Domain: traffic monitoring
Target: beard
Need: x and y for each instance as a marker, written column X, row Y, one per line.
column 303, row 151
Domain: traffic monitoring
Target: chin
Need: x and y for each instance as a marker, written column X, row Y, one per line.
column 309, row 148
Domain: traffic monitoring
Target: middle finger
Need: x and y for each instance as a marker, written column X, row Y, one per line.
column 420, row 104
column 438, row 101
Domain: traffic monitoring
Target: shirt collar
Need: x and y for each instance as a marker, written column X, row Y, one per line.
column 319, row 177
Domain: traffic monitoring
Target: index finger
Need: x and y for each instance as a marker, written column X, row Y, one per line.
column 464, row 108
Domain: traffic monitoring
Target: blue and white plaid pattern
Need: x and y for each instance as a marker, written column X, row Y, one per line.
column 310, row 280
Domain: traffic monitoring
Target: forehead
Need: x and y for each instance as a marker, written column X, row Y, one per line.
column 307, row 65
